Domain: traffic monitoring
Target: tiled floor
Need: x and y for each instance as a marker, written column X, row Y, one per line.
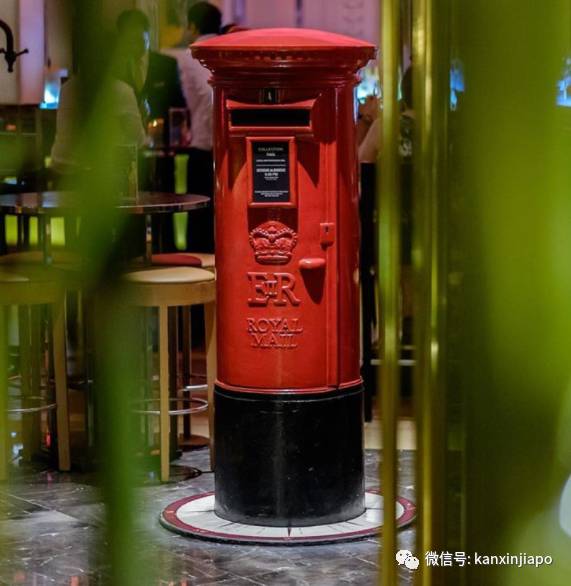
column 52, row 532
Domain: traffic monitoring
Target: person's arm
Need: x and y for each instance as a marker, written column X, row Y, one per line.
column 369, row 147
column 363, row 126
column 366, row 115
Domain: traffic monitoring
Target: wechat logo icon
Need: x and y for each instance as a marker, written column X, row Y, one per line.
column 405, row 557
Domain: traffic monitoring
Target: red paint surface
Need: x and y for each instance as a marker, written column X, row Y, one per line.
column 287, row 291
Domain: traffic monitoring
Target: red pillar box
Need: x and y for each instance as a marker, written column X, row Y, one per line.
column 288, row 399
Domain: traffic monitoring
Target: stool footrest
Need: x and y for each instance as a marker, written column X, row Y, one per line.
column 202, row 406
column 38, row 409
column 192, row 388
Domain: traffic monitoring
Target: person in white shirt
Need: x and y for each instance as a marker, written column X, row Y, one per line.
column 116, row 112
column 125, row 118
column 204, row 20
column 122, row 115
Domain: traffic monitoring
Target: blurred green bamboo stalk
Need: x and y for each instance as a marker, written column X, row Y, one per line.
column 116, row 375
column 4, row 442
column 117, row 378
column 514, row 175
column 492, row 246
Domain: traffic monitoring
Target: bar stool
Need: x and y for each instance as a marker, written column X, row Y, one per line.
column 173, row 287
column 202, row 260
column 37, row 287
column 206, row 261
column 68, row 265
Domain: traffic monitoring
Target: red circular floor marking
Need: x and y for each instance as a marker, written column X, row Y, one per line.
column 205, row 524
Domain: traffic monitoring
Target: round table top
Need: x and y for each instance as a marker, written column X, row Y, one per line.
column 54, row 203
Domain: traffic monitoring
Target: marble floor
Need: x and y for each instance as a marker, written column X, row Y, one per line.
column 52, row 531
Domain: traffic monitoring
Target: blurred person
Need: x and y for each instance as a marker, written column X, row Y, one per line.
column 204, row 21
column 369, row 146
column 124, row 109
column 367, row 113
column 133, row 33
column 232, row 27
column 228, row 28
column 153, row 76
column 68, row 161
column 155, row 79
column 72, row 165
column 368, row 153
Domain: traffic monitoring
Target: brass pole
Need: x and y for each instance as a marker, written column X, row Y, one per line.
column 430, row 192
column 388, row 204
column 4, row 441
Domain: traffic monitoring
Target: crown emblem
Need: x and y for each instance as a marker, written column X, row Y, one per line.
column 273, row 243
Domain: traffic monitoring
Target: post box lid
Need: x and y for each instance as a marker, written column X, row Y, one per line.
column 289, row 47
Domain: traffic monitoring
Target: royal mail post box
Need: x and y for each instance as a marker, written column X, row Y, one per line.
column 288, row 397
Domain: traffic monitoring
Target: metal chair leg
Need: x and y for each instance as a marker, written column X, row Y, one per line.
column 4, row 440
column 26, row 390
column 186, row 363
column 173, row 371
column 60, row 376
column 37, row 356
column 210, row 339
column 164, row 393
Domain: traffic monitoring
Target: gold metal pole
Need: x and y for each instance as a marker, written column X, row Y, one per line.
column 431, row 97
column 388, row 204
column 421, row 261
column 4, row 441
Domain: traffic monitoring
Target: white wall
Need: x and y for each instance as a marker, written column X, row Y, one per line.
column 26, row 84
column 269, row 13
column 355, row 18
column 58, row 33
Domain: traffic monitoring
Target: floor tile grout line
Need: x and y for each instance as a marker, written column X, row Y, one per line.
column 54, row 509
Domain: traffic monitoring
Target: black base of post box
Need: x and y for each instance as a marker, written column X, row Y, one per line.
column 289, row 460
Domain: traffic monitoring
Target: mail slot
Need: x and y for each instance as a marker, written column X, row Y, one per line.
column 288, row 397
column 261, row 117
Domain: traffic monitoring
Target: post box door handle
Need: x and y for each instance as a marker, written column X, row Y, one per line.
column 310, row 264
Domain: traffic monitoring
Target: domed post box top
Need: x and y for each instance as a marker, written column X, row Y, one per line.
column 285, row 48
